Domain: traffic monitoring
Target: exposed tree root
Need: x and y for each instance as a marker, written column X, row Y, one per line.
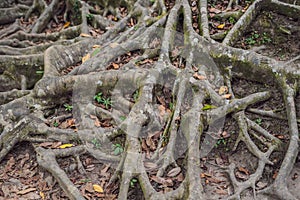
column 161, row 34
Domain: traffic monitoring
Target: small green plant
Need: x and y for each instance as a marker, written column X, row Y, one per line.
column 136, row 95
column 171, row 106
column 98, row 97
column 152, row 1
column 258, row 121
column 107, row 103
column 252, row 39
column 118, row 149
column 266, row 39
column 136, row 27
column 231, row 20
column 90, row 17
column 68, row 107
column 96, row 143
column 122, row 118
column 104, row 101
column 221, row 141
column 133, row 182
column 55, row 124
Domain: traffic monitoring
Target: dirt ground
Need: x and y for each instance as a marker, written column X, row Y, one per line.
column 271, row 34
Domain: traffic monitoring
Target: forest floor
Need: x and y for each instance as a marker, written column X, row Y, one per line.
column 22, row 178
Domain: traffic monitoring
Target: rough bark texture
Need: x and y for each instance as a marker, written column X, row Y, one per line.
column 27, row 96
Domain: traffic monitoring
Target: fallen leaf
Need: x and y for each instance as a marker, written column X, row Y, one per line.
column 202, row 175
column 66, row 25
column 275, row 175
column 226, row 96
column 260, row 185
column 214, row 10
column 174, row 172
column 242, row 169
column 180, row 177
column 221, row 26
column 42, row 195
column 223, row 90
column 84, row 35
column 46, row 144
column 198, row 76
column 150, row 165
column 241, row 175
column 214, row 180
column 63, row 146
column 98, row 188
column 221, row 192
column 86, row 57
column 22, row 192
column 96, row 46
column 225, row 134
column 150, row 143
column 115, row 66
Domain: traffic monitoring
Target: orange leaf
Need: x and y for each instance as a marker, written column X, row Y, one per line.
column 66, row 25
column 115, row 66
column 86, row 57
column 226, row 96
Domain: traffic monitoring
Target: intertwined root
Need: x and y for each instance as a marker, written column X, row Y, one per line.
column 203, row 67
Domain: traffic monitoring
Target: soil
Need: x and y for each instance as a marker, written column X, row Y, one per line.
column 271, row 34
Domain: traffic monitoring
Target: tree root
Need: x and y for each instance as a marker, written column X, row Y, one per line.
column 205, row 66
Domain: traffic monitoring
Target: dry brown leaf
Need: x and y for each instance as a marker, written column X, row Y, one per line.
column 22, row 192
column 214, row 180
column 241, row 175
column 157, row 179
column 199, row 77
column 150, row 143
column 221, row 192
column 225, row 134
column 105, row 169
column 242, row 169
column 71, row 122
column 84, row 35
column 223, row 90
column 214, row 10
column 168, row 182
column 96, row 46
column 115, row 65
column 85, row 58
column 226, row 96
column 174, row 172
column 46, row 144
column 150, row 165
column 180, row 177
